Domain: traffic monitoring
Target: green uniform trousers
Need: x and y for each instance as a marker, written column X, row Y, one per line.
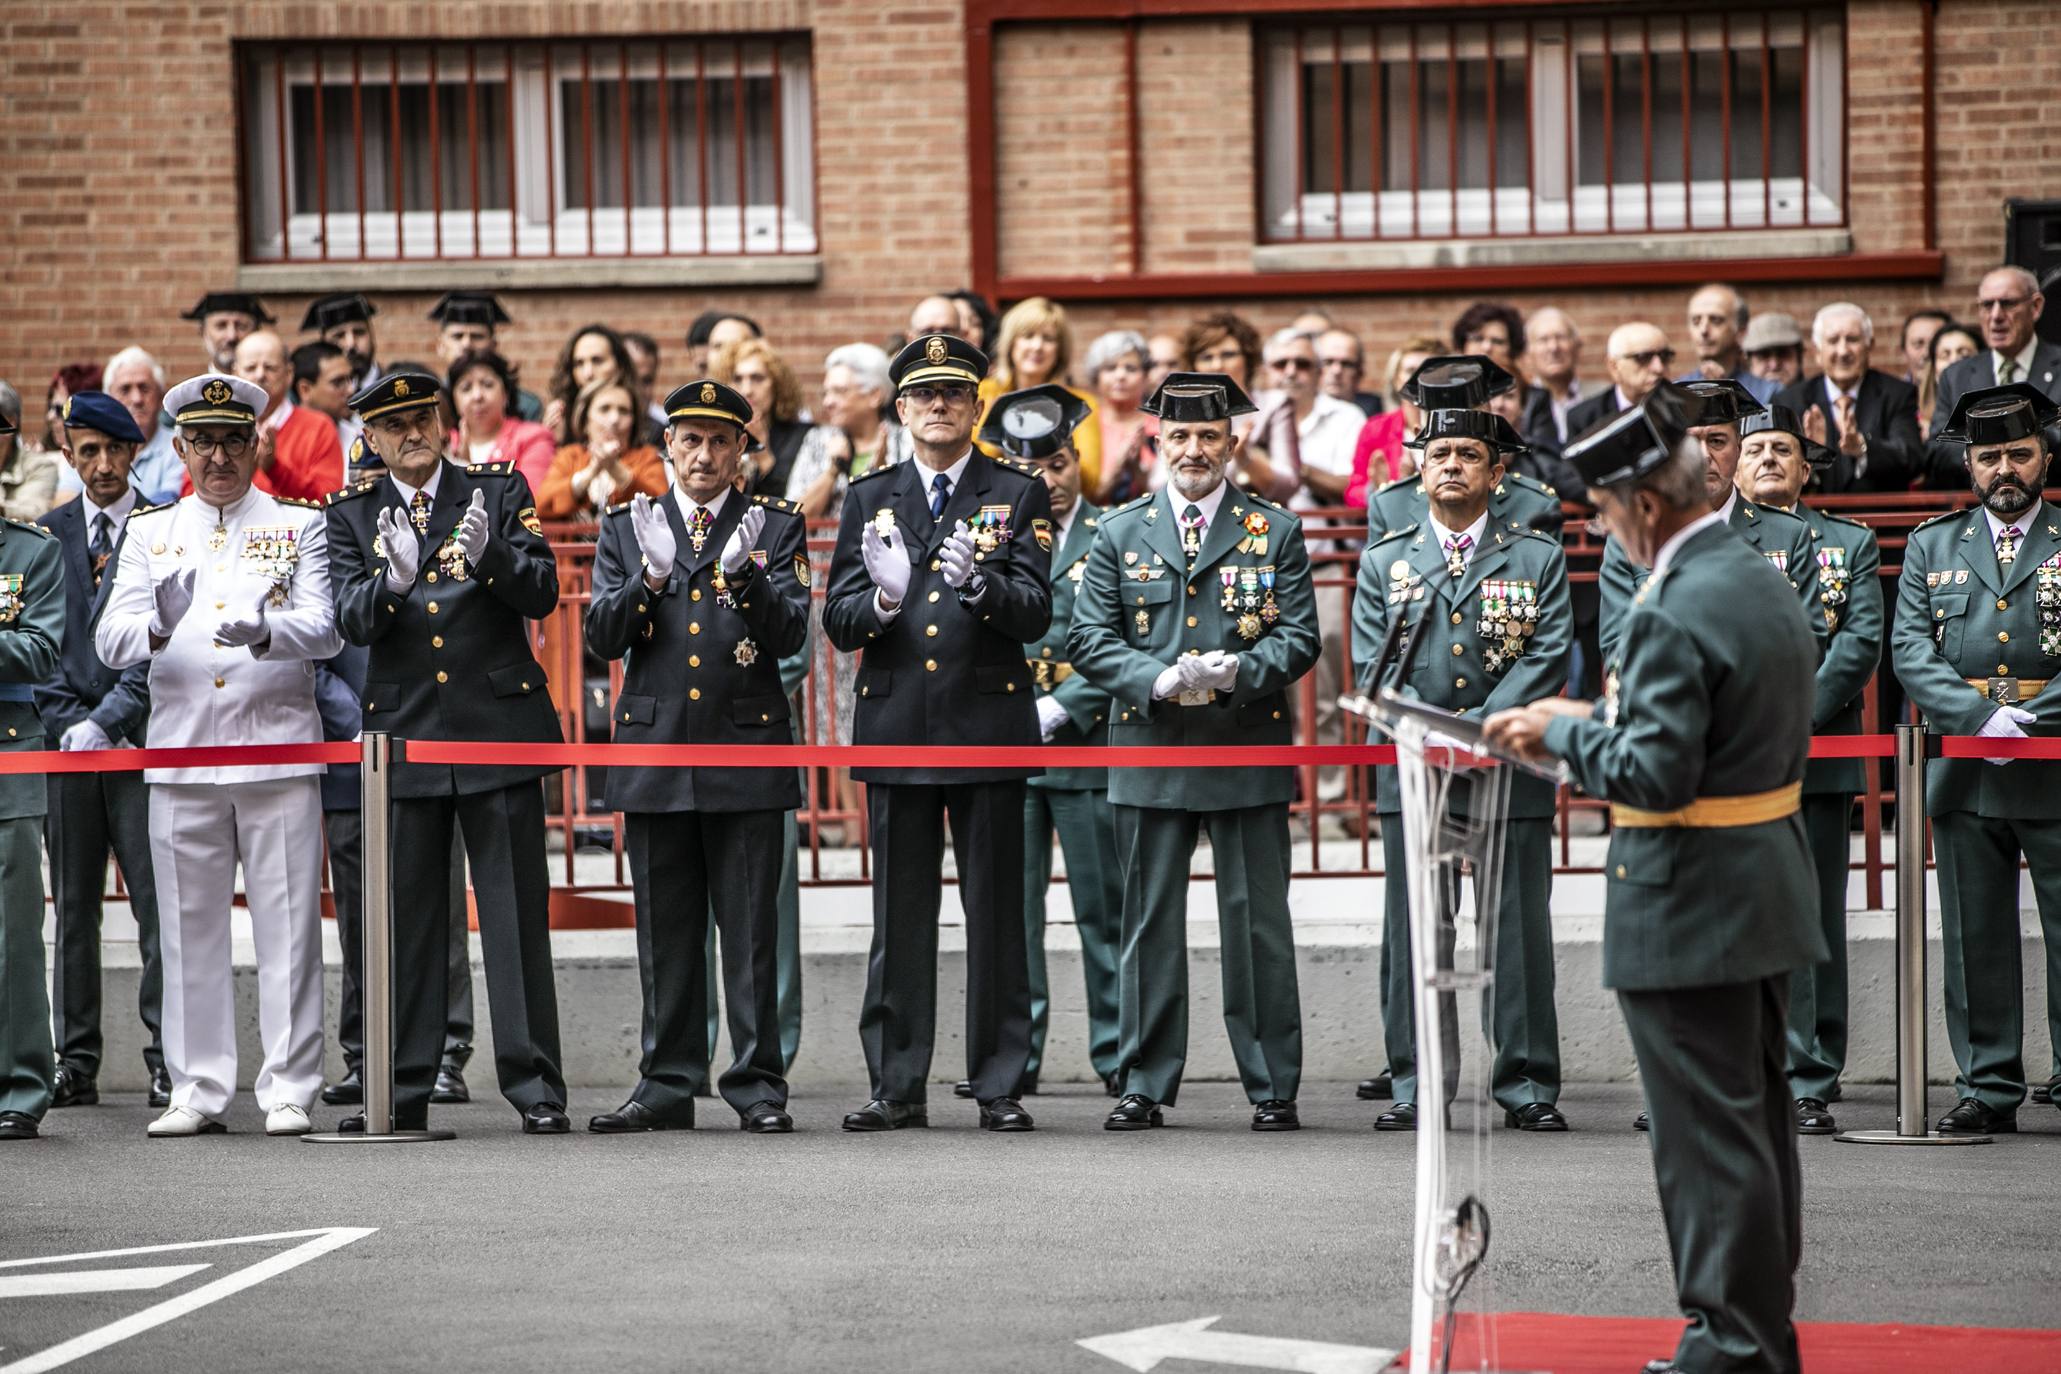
column 1817, row 994
column 1088, row 840
column 1724, row 1155
column 1979, row 938
column 787, row 960
column 1262, row 1008
column 28, row 1061
column 1522, row 1023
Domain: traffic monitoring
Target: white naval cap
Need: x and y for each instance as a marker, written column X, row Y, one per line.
column 214, row 398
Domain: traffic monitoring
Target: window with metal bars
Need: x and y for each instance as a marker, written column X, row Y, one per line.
column 1532, row 124
column 356, row 152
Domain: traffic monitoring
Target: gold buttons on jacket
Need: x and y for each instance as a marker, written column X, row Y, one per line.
column 1008, row 686
column 929, row 665
column 1459, row 682
column 436, row 641
column 525, row 686
column 1191, row 622
column 443, row 676
column 694, row 694
column 935, row 565
column 930, row 631
column 1191, row 591
column 694, row 595
column 933, row 596
column 694, row 660
column 1459, row 649
column 642, row 608
column 430, row 576
column 2003, row 636
column 2002, row 604
column 1456, row 617
column 221, row 682
column 1620, row 870
column 694, row 627
column 432, row 608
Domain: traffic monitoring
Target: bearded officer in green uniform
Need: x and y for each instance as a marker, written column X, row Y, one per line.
column 1036, row 426
column 1487, row 603
column 1776, row 460
column 1197, row 615
column 1710, row 904
column 1976, row 640
column 31, row 637
column 1462, row 381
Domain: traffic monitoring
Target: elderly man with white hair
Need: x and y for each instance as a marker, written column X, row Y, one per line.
column 1868, row 418
column 137, row 380
column 2008, row 303
column 1639, row 358
column 225, row 594
column 854, row 435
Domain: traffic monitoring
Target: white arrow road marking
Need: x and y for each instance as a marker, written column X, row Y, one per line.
column 1143, row 1349
column 314, row 1244
column 95, row 1281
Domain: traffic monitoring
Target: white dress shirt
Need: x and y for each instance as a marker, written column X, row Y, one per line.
column 2024, row 521
column 2023, row 357
column 1474, row 532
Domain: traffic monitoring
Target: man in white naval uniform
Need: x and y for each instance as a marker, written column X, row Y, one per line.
column 226, row 594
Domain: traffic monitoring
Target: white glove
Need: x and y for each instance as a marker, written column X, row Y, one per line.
column 1193, row 669
column 887, row 563
column 84, row 735
column 743, row 539
column 403, row 549
column 473, row 528
column 654, row 536
column 172, row 598
column 246, row 627
column 956, row 557
column 1169, row 683
column 2006, row 722
column 1051, row 715
column 1218, row 670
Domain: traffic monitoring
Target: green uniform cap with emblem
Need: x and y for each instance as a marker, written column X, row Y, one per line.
column 1777, row 418
column 937, row 358
column 1033, row 423
column 345, row 307
column 1455, row 382
column 1197, row 398
column 396, row 392
column 1632, row 443
column 215, row 399
column 2000, row 415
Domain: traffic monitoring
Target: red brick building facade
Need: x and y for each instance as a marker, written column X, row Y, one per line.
column 821, row 164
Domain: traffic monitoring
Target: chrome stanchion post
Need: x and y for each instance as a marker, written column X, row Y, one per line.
column 376, row 987
column 1911, row 1052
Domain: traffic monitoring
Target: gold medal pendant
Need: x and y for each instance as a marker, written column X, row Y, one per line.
column 1143, row 622
column 1248, row 626
column 218, row 538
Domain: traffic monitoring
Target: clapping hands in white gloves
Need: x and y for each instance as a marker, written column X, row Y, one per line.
column 2006, row 722
column 403, row 548
column 474, row 528
column 887, row 562
column 246, row 626
column 84, row 735
column 955, row 559
column 1051, row 715
column 743, row 539
column 654, row 536
column 171, row 598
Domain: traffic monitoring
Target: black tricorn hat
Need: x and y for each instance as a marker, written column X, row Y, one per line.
column 1720, row 402
column 1631, row 443
column 1198, row 397
column 327, row 312
column 1780, row 419
column 1999, row 414
column 1485, row 425
column 1456, row 382
column 219, row 302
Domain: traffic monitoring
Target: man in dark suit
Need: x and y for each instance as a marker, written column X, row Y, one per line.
column 1868, row 419
column 87, row 705
column 436, row 568
column 702, row 593
column 1639, row 358
column 2009, row 301
column 941, row 577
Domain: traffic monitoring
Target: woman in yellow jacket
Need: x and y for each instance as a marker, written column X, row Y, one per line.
column 1035, row 346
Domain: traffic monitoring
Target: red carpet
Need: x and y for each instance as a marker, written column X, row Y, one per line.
column 1538, row 1341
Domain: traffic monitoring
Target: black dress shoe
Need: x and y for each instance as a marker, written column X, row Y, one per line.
column 347, row 1091
column 1813, row 1117
column 160, row 1087
column 883, row 1115
column 450, row 1086
column 765, row 1118
column 1971, row 1116
column 1136, row 1112
column 963, row 1088
column 1275, row 1115
column 634, row 1116
column 1642, row 1122
column 15, row 1126
column 1374, row 1089
column 1400, row 1117
column 355, row 1124
column 1005, row 1114
column 2044, row 1092
column 1536, row 1116
column 546, row 1118
column 74, row 1088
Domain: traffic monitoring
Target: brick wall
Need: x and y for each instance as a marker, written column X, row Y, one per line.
column 118, row 203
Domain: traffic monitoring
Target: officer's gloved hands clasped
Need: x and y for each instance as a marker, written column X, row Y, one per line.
column 403, row 548
column 887, row 563
column 2006, row 722
column 1051, row 715
column 171, row 598
column 245, row 626
column 1185, row 675
column 654, row 536
column 955, row 559
column 743, row 539
column 85, row 735
column 474, row 528
column 1217, row 670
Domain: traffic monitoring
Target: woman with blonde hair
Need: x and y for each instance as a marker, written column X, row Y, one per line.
column 758, row 372
column 1379, row 456
column 1035, row 346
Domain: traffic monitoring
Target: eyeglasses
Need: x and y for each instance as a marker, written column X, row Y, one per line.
column 233, row 445
column 1647, row 357
column 924, row 396
column 2000, row 304
column 1293, row 365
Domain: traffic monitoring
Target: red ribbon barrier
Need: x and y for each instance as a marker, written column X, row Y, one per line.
column 1976, row 747
column 134, row 760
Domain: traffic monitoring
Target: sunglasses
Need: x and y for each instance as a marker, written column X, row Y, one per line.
column 1647, row 357
column 1293, row 365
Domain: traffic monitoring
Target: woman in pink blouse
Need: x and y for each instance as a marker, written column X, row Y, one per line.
column 1379, row 457
column 482, row 389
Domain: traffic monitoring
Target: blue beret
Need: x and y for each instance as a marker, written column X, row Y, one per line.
column 98, row 410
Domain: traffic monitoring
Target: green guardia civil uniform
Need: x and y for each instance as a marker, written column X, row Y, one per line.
column 1074, row 802
column 1972, row 631
column 1142, row 605
column 1850, row 597
column 1517, row 500
column 1497, row 637
column 31, row 637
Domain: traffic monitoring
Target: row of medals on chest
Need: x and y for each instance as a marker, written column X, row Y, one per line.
column 2046, row 594
column 1509, row 610
column 1246, row 593
column 270, row 552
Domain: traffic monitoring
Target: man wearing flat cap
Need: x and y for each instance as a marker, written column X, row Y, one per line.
column 1487, row 600
column 940, row 577
column 439, row 567
column 225, row 319
column 701, row 593
column 1196, row 615
column 1976, row 637
column 32, row 623
column 87, row 705
column 1036, row 426
column 225, row 595
column 1699, row 746
column 1776, row 459
column 468, row 322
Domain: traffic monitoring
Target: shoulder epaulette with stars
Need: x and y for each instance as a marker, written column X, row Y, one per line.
column 1829, row 518
column 357, row 489
column 501, row 469
column 31, row 525
column 778, row 503
column 1415, row 477
column 1517, row 527
column 1089, row 521
column 1393, row 535
column 1018, row 465
column 1947, row 517
column 1131, row 505
column 1525, row 480
column 1260, row 500
column 152, row 510
column 870, row 473
column 619, row 508
column 300, row 501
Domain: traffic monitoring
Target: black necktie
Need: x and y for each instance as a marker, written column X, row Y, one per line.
column 102, row 542
column 940, row 492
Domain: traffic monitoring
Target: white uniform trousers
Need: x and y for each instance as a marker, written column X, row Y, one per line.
column 198, row 834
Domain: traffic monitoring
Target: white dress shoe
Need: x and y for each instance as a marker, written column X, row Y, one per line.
column 184, row 1121
column 287, row 1119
